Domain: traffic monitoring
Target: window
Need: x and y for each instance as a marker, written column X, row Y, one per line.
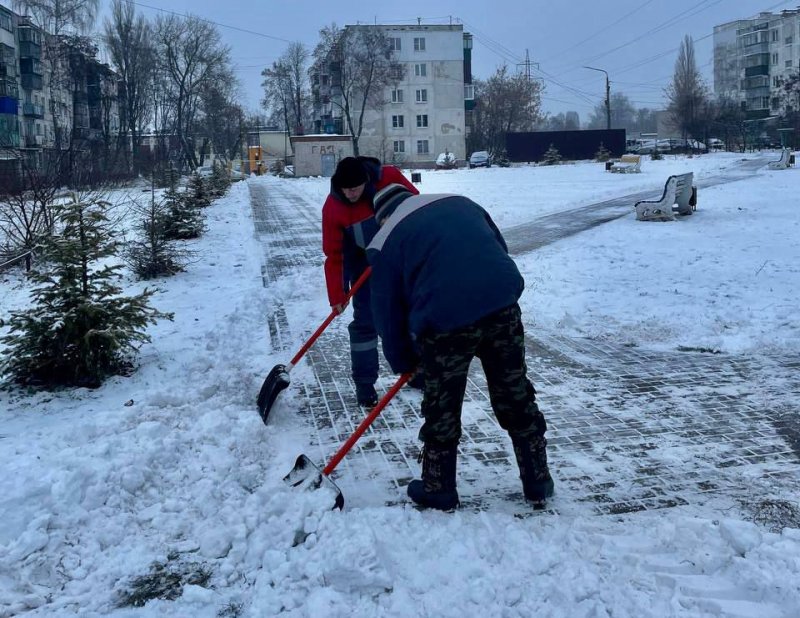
column 420, row 70
column 394, row 43
column 397, row 96
column 399, row 146
column 788, row 40
column 422, row 121
column 397, row 122
column 422, row 95
column 422, row 146
column 469, row 92
column 788, row 64
column 419, row 43
column 5, row 21
column 774, row 34
column 776, row 81
column 774, row 58
column 397, row 71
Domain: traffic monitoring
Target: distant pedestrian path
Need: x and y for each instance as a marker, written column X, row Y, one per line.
column 630, row 429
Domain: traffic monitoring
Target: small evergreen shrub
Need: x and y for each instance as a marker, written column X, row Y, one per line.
column 153, row 253
column 552, row 156
column 79, row 329
column 602, row 155
column 182, row 218
column 197, row 193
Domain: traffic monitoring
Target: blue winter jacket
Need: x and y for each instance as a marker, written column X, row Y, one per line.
column 439, row 263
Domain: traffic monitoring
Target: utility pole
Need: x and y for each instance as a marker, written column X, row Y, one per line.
column 527, row 64
column 608, row 96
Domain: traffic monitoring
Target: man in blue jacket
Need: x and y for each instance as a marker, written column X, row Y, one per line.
column 444, row 290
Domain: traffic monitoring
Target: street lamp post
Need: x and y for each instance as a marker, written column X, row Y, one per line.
column 608, row 96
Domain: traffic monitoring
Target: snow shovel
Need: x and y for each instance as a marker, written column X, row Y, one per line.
column 278, row 378
column 308, row 476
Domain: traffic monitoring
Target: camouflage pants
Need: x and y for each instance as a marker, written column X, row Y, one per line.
column 498, row 340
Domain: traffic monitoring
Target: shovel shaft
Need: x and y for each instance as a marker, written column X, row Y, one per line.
column 356, row 286
column 366, row 423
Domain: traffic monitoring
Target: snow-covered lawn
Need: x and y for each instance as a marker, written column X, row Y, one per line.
column 173, row 465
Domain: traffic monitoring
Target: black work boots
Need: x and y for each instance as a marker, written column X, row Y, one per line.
column 437, row 489
column 366, row 394
column 531, row 454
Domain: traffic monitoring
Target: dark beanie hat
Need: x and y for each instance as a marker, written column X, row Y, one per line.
column 349, row 173
column 388, row 199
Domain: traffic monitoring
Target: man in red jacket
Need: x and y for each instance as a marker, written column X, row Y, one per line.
column 348, row 226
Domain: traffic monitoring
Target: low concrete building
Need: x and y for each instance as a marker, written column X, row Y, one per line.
column 317, row 155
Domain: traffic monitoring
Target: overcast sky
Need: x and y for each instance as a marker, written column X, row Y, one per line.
column 635, row 41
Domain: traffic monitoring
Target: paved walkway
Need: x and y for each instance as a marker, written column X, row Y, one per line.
column 630, row 429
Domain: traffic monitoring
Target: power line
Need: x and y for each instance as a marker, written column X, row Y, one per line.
column 209, row 21
column 590, row 37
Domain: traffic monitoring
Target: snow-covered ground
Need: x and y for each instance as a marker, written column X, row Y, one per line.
column 173, row 465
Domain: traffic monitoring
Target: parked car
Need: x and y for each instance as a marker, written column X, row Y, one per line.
column 480, row 158
column 446, row 161
column 715, row 144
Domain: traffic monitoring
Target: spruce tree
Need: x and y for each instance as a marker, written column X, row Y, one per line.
column 79, row 329
column 152, row 253
column 197, row 191
column 552, row 156
column 220, row 180
column 602, row 154
column 182, row 219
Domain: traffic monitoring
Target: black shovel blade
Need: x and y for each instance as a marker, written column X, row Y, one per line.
column 276, row 381
column 306, row 475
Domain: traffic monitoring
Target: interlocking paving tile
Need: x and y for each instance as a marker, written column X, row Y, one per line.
column 630, row 429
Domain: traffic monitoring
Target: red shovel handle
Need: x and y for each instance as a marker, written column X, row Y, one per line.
column 356, row 286
column 366, row 423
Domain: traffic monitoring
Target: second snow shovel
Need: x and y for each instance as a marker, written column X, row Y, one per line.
column 278, row 378
column 308, row 476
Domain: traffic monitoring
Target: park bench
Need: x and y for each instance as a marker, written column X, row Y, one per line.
column 679, row 197
column 627, row 163
column 783, row 162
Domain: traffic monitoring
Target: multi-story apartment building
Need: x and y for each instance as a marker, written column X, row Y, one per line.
column 752, row 57
column 9, row 83
column 46, row 103
column 427, row 112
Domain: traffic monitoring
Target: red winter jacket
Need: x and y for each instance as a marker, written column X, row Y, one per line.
column 338, row 214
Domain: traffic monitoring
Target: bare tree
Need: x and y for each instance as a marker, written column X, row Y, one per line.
column 27, row 213
column 687, row 94
column 361, row 65
column 128, row 39
column 505, row 103
column 192, row 54
column 222, row 119
column 623, row 113
column 286, row 87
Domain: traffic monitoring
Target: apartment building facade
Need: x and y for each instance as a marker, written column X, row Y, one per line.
column 752, row 57
column 67, row 103
column 427, row 112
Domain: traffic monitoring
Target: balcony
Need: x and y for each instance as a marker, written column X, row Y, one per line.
column 756, row 48
column 33, row 110
column 29, row 49
column 31, row 81
column 757, row 70
column 8, row 70
column 34, row 141
column 8, row 88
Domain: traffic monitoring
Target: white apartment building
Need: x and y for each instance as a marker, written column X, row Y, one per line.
column 429, row 110
column 753, row 56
